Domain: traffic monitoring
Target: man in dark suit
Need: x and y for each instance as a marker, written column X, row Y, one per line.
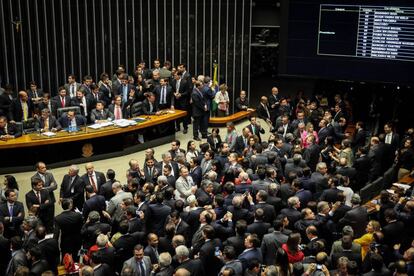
column 70, row 119
column 8, row 130
column 255, row 128
column 6, row 100
column 274, row 100
column 38, row 201
column 338, row 130
column 269, row 214
column 291, row 212
column 362, row 165
column 175, row 148
column 11, row 214
column 324, row 131
column 71, row 86
column 18, row 257
column 62, row 100
column 150, row 105
column 73, row 187
column 164, row 94
column 357, row 218
column 5, row 255
column 259, row 226
column 242, row 141
column 151, row 250
column 199, row 107
column 263, row 110
column 100, row 113
column 182, row 91
column 207, row 253
column 92, row 227
column 94, row 202
column 21, row 108
column 68, row 227
column 284, row 127
column 38, row 264
column 97, row 95
column 391, row 138
column 49, row 185
column 252, row 251
column 119, row 111
column 167, row 160
column 194, row 266
column 93, row 178
column 311, row 154
column 49, row 248
column 85, row 87
column 360, row 137
column 35, row 94
column 106, row 189
column 48, row 103
column 272, row 242
column 85, row 102
column 46, row 122
column 158, row 213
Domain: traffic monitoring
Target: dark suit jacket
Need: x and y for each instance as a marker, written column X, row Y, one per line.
column 158, row 214
column 124, row 111
column 5, row 103
column 146, row 107
column 195, row 267
column 90, row 104
column 239, row 146
column 12, row 228
column 174, row 166
column 198, row 103
column 269, row 211
column 53, row 123
column 150, row 252
column 38, row 268
column 58, row 101
column 261, row 112
column 103, row 270
column 67, row 88
column 214, row 146
column 50, row 252
column 270, row 244
column 311, row 156
column 247, row 256
column 259, row 228
column 323, row 133
column 89, row 232
column 16, row 110
column 42, row 212
column 357, row 218
column 105, row 90
column 105, row 115
column 100, row 179
column 95, row 203
column 51, row 105
column 4, row 254
column 169, row 97
column 68, row 226
column 185, row 91
column 257, row 131
column 292, row 214
column 12, row 129
column 237, row 242
column 74, row 190
column 211, row 263
column 197, row 175
column 106, row 190
column 64, row 121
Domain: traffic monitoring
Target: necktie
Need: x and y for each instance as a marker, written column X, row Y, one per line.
column 117, row 113
column 63, row 101
column 141, row 268
column 97, row 97
column 35, row 94
column 178, row 86
column 102, row 115
column 72, row 90
column 46, row 127
column 25, row 111
column 38, row 196
column 93, row 183
column 253, row 129
column 162, row 96
column 11, row 210
column 125, row 94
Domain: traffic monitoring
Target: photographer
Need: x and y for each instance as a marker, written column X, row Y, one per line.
column 319, row 268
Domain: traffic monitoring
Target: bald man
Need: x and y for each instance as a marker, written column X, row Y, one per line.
column 93, row 178
column 21, row 108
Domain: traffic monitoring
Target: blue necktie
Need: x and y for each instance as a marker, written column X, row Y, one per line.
column 141, row 268
column 125, row 94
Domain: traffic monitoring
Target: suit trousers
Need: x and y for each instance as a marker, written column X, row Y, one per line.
column 204, row 124
column 197, row 121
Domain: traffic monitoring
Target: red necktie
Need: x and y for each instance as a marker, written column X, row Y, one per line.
column 38, row 197
column 63, row 101
column 117, row 113
column 93, row 183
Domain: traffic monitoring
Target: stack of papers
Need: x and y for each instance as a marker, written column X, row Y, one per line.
column 100, row 125
column 124, row 122
column 48, row 133
column 402, row 186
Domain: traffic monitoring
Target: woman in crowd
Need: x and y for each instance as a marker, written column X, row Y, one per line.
column 292, row 249
column 214, row 139
column 192, row 151
column 223, row 101
column 368, row 238
column 10, row 183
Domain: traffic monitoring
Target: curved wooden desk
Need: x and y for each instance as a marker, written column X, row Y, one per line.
column 231, row 118
column 31, row 140
column 87, row 144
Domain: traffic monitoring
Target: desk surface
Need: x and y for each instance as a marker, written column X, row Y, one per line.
column 30, row 140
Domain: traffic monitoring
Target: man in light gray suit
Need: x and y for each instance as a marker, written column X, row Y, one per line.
column 139, row 264
column 72, row 86
column 272, row 242
column 206, row 162
column 49, row 184
column 100, row 113
column 114, row 205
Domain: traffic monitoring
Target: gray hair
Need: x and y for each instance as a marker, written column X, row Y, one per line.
column 293, row 200
column 165, row 154
column 356, row 199
column 116, row 185
column 212, row 175
column 74, row 168
column 347, row 230
column 162, row 179
column 101, row 240
column 32, row 221
column 320, row 166
column 182, row 251
column 94, row 216
column 237, row 201
column 165, row 259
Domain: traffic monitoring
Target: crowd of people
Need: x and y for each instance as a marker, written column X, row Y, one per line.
column 249, row 202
